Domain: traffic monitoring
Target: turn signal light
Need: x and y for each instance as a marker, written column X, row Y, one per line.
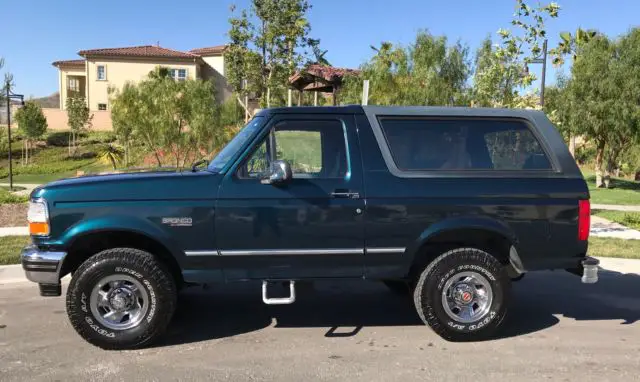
column 39, row 229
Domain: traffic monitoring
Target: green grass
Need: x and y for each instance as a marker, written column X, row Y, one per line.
column 10, row 247
column 621, row 191
column 609, row 247
column 629, row 219
column 8, row 198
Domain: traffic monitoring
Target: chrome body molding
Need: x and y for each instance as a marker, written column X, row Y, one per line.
column 211, row 252
column 386, row 250
column 287, row 252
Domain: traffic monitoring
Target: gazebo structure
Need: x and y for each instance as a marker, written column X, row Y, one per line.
column 319, row 79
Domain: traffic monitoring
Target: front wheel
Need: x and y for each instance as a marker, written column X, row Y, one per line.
column 121, row 298
column 463, row 294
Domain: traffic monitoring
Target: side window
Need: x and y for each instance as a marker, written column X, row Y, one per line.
column 313, row 149
column 462, row 144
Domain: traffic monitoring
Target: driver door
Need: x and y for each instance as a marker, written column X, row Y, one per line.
column 312, row 225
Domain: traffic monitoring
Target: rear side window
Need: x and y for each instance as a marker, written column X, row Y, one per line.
column 463, row 144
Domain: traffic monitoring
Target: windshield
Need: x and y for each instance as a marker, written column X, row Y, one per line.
column 237, row 143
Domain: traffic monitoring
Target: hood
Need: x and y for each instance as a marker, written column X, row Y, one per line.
column 161, row 185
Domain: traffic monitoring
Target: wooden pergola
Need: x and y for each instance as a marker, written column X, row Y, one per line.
column 320, row 79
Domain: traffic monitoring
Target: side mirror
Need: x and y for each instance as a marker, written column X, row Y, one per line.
column 279, row 173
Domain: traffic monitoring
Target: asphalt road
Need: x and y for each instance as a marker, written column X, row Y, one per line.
column 558, row 329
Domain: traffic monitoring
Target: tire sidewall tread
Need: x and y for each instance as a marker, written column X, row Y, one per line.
column 144, row 267
column 427, row 294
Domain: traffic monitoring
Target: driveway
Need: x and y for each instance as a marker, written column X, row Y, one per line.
column 558, row 329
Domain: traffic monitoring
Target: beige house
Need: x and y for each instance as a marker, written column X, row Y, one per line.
column 100, row 69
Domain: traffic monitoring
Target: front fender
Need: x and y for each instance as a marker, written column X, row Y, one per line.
column 117, row 223
column 482, row 223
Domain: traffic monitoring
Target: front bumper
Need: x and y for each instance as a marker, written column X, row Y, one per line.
column 42, row 267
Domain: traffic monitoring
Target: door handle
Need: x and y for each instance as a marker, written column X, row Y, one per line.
column 345, row 194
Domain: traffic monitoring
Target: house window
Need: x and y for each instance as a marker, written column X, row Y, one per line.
column 73, row 84
column 102, row 106
column 102, row 73
column 178, row 74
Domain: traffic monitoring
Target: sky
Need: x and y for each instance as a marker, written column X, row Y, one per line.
column 43, row 31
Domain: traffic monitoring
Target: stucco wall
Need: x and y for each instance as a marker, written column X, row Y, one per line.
column 213, row 69
column 118, row 72
column 58, row 120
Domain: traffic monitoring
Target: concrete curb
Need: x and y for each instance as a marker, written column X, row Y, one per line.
column 12, row 274
column 14, row 231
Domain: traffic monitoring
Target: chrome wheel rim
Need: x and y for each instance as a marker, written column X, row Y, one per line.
column 467, row 297
column 119, row 302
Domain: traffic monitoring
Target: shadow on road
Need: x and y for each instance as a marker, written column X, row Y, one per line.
column 344, row 308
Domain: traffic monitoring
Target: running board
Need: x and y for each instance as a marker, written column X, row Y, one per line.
column 279, row 300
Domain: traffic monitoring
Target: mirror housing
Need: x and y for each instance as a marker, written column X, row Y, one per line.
column 279, row 173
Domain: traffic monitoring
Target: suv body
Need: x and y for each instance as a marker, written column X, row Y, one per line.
column 449, row 203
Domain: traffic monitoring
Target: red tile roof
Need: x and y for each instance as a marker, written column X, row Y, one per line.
column 137, row 51
column 209, row 51
column 68, row 63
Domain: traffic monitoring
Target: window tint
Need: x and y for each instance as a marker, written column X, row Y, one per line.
column 429, row 144
column 313, row 149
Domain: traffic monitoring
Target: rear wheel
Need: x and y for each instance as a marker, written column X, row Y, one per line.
column 121, row 298
column 463, row 294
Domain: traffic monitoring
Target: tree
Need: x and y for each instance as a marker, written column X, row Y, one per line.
column 110, row 154
column 605, row 97
column 32, row 124
column 501, row 71
column 79, row 119
column 266, row 48
column 570, row 45
column 167, row 116
column 427, row 72
column 125, row 116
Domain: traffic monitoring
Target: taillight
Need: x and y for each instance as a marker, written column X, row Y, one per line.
column 584, row 219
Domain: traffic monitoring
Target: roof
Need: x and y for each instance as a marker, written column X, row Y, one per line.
column 433, row 111
column 209, row 51
column 309, row 77
column 137, row 51
column 68, row 63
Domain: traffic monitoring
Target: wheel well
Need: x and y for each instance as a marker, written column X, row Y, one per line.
column 88, row 245
column 489, row 241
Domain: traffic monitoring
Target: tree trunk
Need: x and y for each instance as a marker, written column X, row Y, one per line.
column 155, row 152
column 599, row 159
column 572, row 145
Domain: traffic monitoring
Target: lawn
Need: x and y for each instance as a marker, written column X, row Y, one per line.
column 629, row 219
column 609, row 247
column 8, row 198
column 10, row 247
column 622, row 191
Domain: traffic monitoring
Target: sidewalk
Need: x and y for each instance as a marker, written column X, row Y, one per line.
column 615, row 207
column 28, row 187
column 601, row 227
column 14, row 231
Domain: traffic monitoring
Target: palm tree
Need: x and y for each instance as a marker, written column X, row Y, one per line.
column 110, row 154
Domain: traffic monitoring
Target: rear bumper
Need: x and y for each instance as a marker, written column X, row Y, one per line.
column 42, row 267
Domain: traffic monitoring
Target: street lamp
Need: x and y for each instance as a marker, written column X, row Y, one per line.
column 10, row 96
column 542, row 60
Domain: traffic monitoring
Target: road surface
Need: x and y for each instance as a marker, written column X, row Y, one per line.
column 558, row 329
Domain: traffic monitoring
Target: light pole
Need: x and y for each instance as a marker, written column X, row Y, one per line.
column 9, row 96
column 542, row 61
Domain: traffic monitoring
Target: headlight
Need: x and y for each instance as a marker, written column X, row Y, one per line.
column 38, row 217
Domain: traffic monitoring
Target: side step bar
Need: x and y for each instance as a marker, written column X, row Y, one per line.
column 279, row 300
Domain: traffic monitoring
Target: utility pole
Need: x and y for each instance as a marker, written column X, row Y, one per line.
column 10, row 95
column 542, row 61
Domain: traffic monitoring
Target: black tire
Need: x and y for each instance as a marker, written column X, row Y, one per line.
column 428, row 294
column 156, row 280
column 398, row 287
